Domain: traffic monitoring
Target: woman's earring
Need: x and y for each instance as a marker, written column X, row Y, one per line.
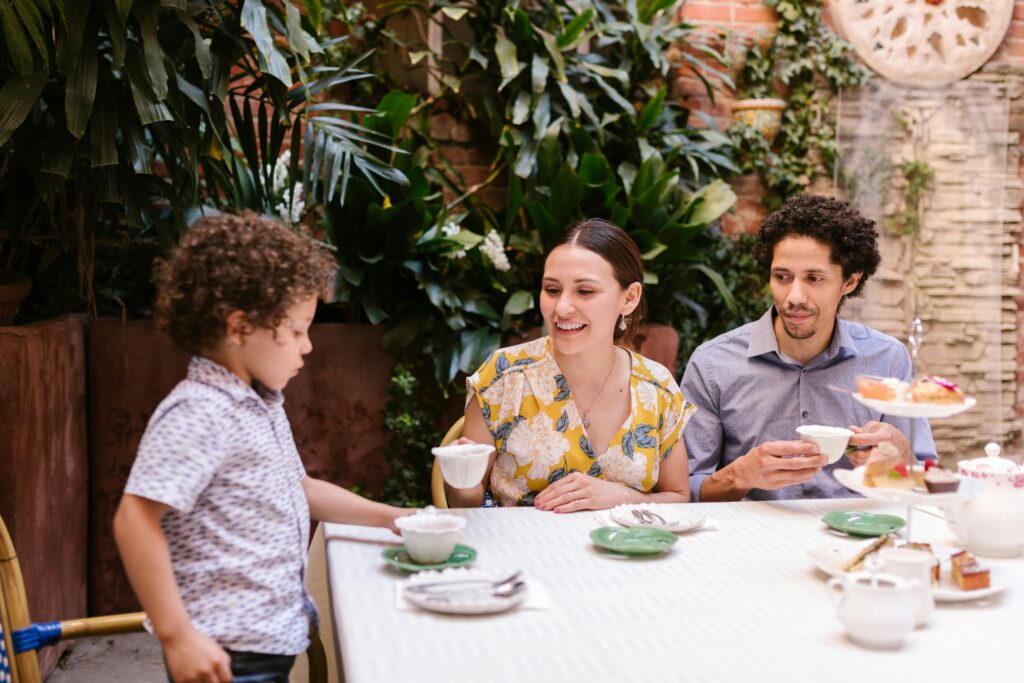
column 623, row 322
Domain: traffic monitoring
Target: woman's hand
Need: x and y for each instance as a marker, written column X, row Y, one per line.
column 578, row 491
column 396, row 512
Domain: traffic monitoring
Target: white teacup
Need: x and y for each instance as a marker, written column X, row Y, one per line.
column 430, row 537
column 463, row 465
column 915, row 565
column 831, row 441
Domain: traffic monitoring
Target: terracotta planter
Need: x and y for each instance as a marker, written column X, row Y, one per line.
column 763, row 114
column 13, row 289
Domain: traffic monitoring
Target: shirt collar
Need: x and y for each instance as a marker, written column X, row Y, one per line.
column 214, row 374
column 763, row 340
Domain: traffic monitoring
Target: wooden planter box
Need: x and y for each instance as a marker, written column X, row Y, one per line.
column 44, row 494
column 335, row 405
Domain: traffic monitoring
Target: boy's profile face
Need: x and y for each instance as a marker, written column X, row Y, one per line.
column 274, row 356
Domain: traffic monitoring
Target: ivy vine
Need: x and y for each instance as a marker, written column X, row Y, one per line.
column 805, row 64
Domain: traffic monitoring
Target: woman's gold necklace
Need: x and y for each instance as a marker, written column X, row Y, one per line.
column 586, row 413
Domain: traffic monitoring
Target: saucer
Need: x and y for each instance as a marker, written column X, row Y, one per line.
column 461, row 599
column 633, row 540
column 858, row 523
column 677, row 518
column 399, row 558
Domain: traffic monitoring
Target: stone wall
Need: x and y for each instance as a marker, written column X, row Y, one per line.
column 956, row 252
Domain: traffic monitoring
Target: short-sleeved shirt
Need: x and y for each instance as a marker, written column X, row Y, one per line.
column 221, row 454
column 748, row 392
column 539, row 435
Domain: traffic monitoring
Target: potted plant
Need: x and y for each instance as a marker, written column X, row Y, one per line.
column 757, row 105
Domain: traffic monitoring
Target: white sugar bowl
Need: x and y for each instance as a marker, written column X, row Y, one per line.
column 429, row 536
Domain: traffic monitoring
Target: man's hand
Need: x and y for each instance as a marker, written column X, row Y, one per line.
column 196, row 658
column 874, row 433
column 777, row 464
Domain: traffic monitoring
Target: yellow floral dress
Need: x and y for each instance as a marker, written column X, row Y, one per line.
column 539, row 434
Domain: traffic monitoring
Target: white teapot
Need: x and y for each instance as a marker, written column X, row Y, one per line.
column 877, row 610
column 992, row 523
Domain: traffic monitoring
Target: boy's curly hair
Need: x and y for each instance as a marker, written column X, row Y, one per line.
column 851, row 237
column 231, row 262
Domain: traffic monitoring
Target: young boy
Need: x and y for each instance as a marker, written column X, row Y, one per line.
column 214, row 523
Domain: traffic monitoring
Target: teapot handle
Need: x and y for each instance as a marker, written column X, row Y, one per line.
column 956, row 526
column 837, row 588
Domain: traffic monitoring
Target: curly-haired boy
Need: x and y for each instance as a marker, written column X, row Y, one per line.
column 214, row 522
column 755, row 385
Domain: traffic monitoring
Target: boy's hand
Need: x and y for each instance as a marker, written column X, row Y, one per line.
column 196, row 658
column 399, row 512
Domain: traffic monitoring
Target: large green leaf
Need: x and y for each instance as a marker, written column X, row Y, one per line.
column 17, row 98
column 202, row 49
column 149, row 108
column 574, row 30
column 506, row 52
column 145, row 12
column 715, row 199
column 314, row 12
column 80, row 90
column 33, row 20
column 17, row 42
column 103, row 136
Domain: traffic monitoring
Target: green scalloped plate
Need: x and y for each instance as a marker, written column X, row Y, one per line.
column 858, row 523
column 399, row 558
column 633, row 540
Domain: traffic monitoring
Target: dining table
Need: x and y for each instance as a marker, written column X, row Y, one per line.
column 738, row 599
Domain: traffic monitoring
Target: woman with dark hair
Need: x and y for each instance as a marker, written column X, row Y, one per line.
column 578, row 421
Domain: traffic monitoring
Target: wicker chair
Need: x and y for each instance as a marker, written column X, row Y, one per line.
column 21, row 638
column 436, row 479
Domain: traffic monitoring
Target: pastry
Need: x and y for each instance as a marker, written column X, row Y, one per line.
column 938, row 480
column 935, row 390
column 881, row 388
column 967, row 573
column 857, row 562
column 884, row 469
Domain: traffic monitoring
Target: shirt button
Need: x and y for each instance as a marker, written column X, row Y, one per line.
column 804, row 413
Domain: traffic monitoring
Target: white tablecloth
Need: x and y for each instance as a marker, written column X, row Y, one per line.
column 742, row 603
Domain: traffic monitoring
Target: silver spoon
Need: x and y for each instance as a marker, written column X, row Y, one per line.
column 511, row 579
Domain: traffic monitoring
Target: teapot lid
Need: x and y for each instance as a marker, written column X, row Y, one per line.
column 991, row 462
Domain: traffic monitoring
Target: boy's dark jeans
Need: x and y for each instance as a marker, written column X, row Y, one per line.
column 255, row 667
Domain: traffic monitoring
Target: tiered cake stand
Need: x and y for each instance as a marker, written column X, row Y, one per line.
column 854, row 479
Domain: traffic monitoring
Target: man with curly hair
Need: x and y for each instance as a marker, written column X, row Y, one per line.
column 214, row 522
column 755, row 385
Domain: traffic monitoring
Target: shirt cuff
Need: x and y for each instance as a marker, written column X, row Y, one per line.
column 696, row 481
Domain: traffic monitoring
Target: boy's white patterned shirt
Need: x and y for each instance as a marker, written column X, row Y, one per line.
column 222, row 456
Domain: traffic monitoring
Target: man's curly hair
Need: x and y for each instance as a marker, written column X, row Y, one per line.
column 852, row 238
column 231, row 262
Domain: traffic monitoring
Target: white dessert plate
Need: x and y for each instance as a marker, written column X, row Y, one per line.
column 462, row 597
column 854, row 480
column 831, row 559
column 912, row 409
column 675, row 519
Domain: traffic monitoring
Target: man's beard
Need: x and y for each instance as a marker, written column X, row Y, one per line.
column 807, row 334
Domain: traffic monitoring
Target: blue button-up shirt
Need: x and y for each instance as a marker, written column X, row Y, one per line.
column 748, row 392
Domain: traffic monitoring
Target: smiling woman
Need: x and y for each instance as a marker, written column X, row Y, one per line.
column 579, row 422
